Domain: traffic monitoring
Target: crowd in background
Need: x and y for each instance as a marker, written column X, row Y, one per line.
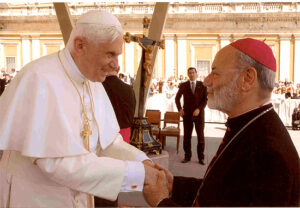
column 167, row 89
column 168, row 85
column 282, row 89
column 296, row 118
column 126, row 78
column 286, row 90
column 5, row 78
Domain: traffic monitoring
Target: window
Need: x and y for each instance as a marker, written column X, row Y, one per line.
column 10, row 63
column 203, row 67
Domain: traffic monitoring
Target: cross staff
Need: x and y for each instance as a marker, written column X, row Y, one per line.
column 147, row 54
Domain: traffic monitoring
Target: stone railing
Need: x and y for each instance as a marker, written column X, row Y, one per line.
column 33, row 9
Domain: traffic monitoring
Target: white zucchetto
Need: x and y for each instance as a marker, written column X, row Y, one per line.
column 99, row 18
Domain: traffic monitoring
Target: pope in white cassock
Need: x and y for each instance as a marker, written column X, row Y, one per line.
column 58, row 129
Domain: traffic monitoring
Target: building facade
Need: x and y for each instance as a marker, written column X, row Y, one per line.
column 193, row 33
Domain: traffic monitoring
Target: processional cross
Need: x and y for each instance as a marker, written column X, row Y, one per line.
column 141, row 135
column 147, row 54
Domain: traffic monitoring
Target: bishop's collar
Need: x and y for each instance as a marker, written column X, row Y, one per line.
column 238, row 122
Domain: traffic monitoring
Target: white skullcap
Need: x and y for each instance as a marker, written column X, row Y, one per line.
column 99, row 18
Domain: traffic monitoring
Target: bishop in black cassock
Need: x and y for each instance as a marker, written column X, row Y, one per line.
column 262, row 154
column 256, row 163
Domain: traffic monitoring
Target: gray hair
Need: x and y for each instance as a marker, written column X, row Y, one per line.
column 95, row 33
column 265, row 76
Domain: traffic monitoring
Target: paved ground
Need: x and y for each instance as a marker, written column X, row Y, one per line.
column 213, row 135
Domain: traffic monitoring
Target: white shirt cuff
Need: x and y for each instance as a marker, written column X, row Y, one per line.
column 134, row 177
column 141, row 157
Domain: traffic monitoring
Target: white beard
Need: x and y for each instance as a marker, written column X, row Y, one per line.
column 225, row 97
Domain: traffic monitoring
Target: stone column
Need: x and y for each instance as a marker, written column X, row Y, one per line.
column 159, row 67
column 25, row 50
column 214, row 51
column 285, row 47
column 193, row 62
column 297, row 59
column 18, row 61
column 182, row 59
column 129, row 58
column 169, row 56
column 44, row 48
column 224, row 40
column 36, row 47
column 2, row 58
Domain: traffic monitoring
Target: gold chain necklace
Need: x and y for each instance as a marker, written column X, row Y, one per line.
column 86, row 125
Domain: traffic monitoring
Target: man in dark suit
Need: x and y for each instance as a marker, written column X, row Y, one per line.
column 123, row 100
column 194, row 101
column 2, row 85
column 257, row 163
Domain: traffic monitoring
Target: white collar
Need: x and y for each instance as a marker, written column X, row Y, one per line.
column 76, row 75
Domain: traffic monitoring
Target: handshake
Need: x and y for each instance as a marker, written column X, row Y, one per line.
column 158, row 183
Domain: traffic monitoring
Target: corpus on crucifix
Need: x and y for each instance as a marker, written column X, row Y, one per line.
column 141, row 135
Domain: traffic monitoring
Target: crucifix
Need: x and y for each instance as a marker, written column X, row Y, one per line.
column 147, row 54
column 155, row 32
column 86, row 134
column 141, row 135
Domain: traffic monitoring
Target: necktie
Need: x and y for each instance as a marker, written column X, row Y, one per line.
column 193, row 87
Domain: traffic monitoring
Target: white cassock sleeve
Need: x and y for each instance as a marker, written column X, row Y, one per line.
column 99, row 176
column 121, row 150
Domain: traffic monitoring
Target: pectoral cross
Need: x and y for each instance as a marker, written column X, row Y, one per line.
column 86, row 133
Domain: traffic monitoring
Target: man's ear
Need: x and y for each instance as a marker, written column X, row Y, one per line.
column 249, row 78
column 80, row 46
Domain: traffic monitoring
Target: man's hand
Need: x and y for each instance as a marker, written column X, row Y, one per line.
column 150, row 173
column 149, row 163
column 154, row 193
column 196, row 112
column 181, row 112
column 169, row 177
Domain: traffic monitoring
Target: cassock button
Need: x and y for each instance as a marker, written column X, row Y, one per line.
column 133, row 186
